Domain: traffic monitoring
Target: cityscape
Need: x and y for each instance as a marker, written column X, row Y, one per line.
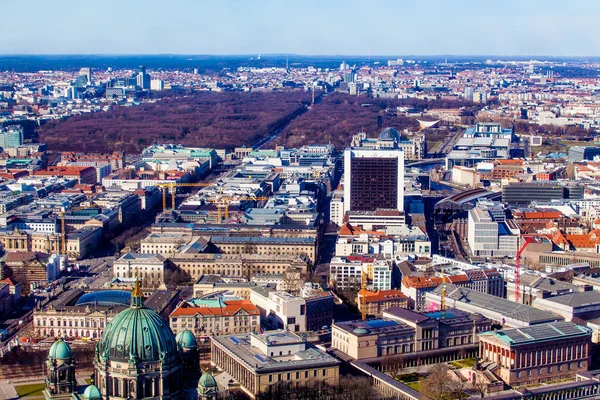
column 238, row 221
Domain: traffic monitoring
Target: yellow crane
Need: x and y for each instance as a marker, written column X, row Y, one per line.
column 363, row 299
column 223, row 202
column 173, row 186
column 63, row 232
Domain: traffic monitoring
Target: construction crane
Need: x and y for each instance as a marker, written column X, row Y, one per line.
column 173, row 186
column 443, row 302
column 518, row 270
column 363, row 299
column 63, row 237
column 223, row 202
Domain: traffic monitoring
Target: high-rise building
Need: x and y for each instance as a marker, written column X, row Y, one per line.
column 373, row 179
column 87, row 72
column 143, row 78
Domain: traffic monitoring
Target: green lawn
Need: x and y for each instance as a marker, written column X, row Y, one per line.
column 406, row 378
column 466, row 363
column 34, row 389
column 414, row 385
column 88, row 381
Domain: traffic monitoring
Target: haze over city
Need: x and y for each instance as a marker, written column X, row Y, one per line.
column 432, row 27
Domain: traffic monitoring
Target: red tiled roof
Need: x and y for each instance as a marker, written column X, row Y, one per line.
column 231, row 308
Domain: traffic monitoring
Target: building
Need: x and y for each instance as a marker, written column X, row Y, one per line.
column 490, row 234
column 151, row 268
column 501, row 311
column 377, row 302
column 237, row 265
column 157, row 84
column 526, row 192
column 79, row 314
column 533, row 355
column 11, row 137
column 373, row 179
column 266, row 246
column 584, row 305
column 258, row 361
column 238, row 287
column 215, row 317
column 583, row 153
column 279, row 309
column 409, row 334
column 83, row 175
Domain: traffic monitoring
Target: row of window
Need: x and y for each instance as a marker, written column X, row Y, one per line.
column 280, row 377
column 559, row 368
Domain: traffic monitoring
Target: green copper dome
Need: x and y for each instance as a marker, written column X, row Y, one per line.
column 186, row 339
column 92, row 393
column 207, row 383
column 60, row 350
column 137, row 334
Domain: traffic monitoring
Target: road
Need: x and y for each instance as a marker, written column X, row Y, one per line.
column 259, row 144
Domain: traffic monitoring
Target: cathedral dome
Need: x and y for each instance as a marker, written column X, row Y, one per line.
column 92, row 393
column 60, row 350
column 137, row 334
column 389, row 134
column 207, row 384
column 186, row 339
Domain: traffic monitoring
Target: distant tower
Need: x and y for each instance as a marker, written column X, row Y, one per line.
column 313, row 94
column 60, row 369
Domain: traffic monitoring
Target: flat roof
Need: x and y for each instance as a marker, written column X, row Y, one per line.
column 539, row 333
column 240, row 348
column 509, row 309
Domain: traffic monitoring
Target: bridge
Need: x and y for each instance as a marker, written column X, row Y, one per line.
column 427, row 161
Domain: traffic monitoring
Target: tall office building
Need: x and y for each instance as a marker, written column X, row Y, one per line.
column 373, row 179
column 143, row 79
column 87, row 72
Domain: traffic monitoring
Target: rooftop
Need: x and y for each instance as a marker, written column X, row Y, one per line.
column 240, row 347
column 539, row 333
column 507, row 308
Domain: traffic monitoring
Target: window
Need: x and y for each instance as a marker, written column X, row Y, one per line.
column 518, row 374
column 324, row 372
column 270, row 378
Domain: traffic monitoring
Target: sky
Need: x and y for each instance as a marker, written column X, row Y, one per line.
column 310, row 27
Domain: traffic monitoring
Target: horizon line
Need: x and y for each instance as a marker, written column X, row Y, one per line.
column 292, row 54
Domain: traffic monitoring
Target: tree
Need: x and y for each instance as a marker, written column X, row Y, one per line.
column 437, row 385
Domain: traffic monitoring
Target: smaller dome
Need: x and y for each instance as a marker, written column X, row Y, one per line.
column 60, row 350
column 361, row 331
column 207, row 383
column 186, row 340
column 92, row 393
column 389, row 134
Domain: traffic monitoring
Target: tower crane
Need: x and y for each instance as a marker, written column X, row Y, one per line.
column 173, row 186
column 518, row 270
column 223, row 202
column 363, row 299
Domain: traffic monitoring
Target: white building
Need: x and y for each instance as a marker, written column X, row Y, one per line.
column 157, row 84
column 382, row 275
column 150, row 267
column 280, row 309
column 336, row 209
column 490, row 234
